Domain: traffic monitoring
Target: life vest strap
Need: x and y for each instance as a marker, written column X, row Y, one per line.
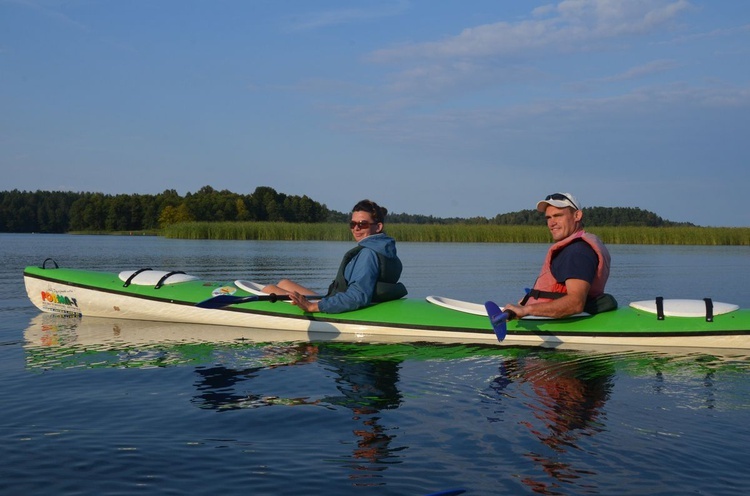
column 535, row 293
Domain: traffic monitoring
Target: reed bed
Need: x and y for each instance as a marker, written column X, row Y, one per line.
column 468, row 233
column 261, row 231
column 456, row 233
column 712, row 236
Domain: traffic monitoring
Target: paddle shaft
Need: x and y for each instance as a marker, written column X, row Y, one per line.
column 224, row 300
column 221, row 301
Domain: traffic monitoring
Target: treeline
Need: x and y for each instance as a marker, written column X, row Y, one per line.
column 594, row 216
column 59, row 212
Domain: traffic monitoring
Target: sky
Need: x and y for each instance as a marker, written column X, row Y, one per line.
column 444, row 108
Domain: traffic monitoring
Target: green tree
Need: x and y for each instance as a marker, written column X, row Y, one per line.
column 172, row 215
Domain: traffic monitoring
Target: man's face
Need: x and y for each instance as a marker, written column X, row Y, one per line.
column 562, row 222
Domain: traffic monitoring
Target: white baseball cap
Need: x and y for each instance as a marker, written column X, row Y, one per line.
column 559, row 200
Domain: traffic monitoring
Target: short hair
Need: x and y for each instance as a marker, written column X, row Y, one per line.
column 376, row 211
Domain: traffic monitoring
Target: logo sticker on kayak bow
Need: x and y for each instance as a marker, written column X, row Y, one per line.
column 224, row 290
column 56, row 302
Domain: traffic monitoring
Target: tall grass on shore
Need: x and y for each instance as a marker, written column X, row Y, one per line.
column 712, row 236
column 456, row 233
column 261, row 231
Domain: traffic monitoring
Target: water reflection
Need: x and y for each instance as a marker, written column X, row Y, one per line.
column 365, row 387
column 219, row 386
column 565, row 400
column 558, row 399
column 227, row 362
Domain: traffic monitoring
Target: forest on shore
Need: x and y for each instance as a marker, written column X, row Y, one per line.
column 63, row 212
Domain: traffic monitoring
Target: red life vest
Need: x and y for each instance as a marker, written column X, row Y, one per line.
column 546, row 282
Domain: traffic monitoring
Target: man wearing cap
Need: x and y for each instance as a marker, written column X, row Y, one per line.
column 575, row 270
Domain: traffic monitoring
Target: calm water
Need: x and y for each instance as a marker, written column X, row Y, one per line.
column 97, row 406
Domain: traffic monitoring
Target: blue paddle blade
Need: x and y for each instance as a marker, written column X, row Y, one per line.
column 498, row 319
column 225, row 300
column 449, row 492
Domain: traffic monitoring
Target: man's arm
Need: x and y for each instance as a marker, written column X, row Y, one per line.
column 570, row 304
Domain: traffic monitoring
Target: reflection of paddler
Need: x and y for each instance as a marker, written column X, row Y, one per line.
column 373, row 442
column 218, row 384
column 571, row 398
column 571, row 394
column 367, row 387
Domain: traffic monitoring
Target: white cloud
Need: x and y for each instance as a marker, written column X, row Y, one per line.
column 653, row 67
column 569, row 25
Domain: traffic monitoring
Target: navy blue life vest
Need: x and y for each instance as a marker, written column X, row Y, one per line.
column 387, row 287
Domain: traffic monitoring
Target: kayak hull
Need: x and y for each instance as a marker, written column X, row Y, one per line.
column 103, row 294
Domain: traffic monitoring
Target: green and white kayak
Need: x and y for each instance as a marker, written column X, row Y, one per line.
column 160, row 296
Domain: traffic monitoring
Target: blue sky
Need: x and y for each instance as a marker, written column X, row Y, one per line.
column 441, row 108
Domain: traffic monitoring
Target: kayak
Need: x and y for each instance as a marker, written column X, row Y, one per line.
column 172, row 296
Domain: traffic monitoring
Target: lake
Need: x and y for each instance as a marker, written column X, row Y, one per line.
column 101, row 406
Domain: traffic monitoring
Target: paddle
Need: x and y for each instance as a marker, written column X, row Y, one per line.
column 498, row 319
column 225, row 300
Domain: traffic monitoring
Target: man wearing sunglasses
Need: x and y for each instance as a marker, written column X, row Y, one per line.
column 575, row 269
column 369, row 273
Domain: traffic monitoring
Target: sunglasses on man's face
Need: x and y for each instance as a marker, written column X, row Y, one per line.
column 362, row 224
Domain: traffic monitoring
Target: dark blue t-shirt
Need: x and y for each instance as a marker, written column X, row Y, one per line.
column 576, row 261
